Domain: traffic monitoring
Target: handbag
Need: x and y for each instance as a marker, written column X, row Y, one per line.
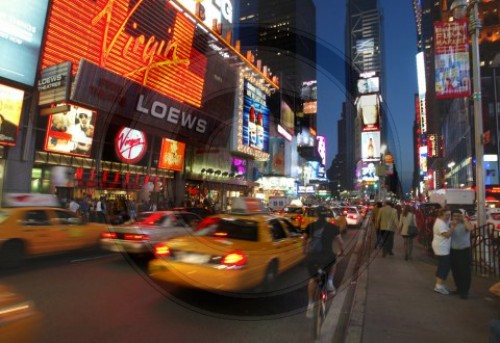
column 412, row 230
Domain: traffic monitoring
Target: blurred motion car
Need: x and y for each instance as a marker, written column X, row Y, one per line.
column 138, row 238
column 352, row 215
column 294, row 213
column 311, row 215
column 33, row 231
column 231, row 252
column 20, row 321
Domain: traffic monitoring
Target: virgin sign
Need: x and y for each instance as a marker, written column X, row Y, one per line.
column 130, row 145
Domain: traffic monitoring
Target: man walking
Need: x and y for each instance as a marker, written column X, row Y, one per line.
column 388, row 223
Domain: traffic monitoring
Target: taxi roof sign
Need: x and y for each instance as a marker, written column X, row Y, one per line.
column 248, row 206
column 30, row 200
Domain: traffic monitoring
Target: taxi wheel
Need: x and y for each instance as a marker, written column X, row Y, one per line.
column 12, row 254
column 270, row 275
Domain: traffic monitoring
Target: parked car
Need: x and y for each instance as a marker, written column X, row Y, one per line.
column 138, row 238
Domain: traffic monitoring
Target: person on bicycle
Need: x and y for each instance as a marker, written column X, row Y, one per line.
column 318, row 247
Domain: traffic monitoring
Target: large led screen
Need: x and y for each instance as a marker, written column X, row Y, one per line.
column 366, row 171
column 150, row 42
column 370, row 146
column 21, row 32
column 370, row 85
column 71, row 132
column 368, row 109
column 11, row 104
column 210, row 12
column 255, row 118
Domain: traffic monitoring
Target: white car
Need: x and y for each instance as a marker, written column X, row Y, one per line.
column 492, row 216
column 352, row 215
column 139, row 238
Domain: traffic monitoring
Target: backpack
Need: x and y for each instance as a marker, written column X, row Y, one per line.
column 315, row 245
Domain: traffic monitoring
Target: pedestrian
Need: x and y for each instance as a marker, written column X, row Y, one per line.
column 132, row 210
column 100, row 210
column 374, row 219
column 85, row 208
column 74, row 206
column 461, row 253
column 319, row 251
column 388, row 223
column 441, row 244
column 406, row 220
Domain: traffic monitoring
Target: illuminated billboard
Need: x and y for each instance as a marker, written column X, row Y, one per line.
column 11, row 104
column 423, row 159
column 310, row 107
column 422, row 87
column 309, row 91
column 370, row 146
column 322, row 148
column 365, row 46
column 171, row 155
column 287, row 116
column 219, row 13
column 368, row 109
column 367, row 86
column 130, row 145
column 71, row 132
column 366, row 171
column 277, row 153
column 21, row 35
column 255, row 118
column 150, row 42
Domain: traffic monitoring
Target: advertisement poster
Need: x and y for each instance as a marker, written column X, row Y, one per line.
column 21, row 35
column 370, row 146
column 11, row 104
column 277, row 152
column 368, row 110
column 366, row 171
column 452, row 59
column 255, row 118
column 172, row 155
column 71, row 132
column 367, row 86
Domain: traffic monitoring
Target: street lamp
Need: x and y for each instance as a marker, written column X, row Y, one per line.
column 459, row 8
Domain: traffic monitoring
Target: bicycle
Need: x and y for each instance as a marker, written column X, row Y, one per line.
column 320, row 299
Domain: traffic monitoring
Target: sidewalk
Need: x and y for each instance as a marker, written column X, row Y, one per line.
column 394, row 301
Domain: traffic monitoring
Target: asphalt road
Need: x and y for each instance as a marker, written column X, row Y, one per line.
column 93, row 296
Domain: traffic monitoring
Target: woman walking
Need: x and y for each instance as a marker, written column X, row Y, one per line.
column 406, row 220
column 461, row 253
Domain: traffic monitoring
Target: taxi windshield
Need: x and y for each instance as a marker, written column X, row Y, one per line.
column 241, row 229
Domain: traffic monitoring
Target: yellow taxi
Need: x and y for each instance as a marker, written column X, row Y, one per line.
column 311, row 215
column 234, row 252
column 29, row 231
column 294, row 213
column 20, row 321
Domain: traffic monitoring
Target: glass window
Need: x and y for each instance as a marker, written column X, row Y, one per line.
column 277, row 231
column 66, row 218
column 241, row 229
column 4, row 215
column 190, row 219
column 294, row 210
column 35, row 218
column 290, row 227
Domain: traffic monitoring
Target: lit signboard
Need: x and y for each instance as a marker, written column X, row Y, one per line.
column 277, row 156
column 370, row 146
column 150, row 42
column 21, row 35
column 11, row 104
column 310, row 107
column 422, row 87
column 305, row 138
column 366, row 171
column 255, row 118
column 130, row 145
column 171, row 155
column 423, row 115
column 287, row 116
column 281, row 130
column 309, row 91
column 367, row 86
column 365, row 46
column 423, row 159
column 368, row 110
column 322, row 148
column 211, row 12
column 432, row 145
column 71, row 132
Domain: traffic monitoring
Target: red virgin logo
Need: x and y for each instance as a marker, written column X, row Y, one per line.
column 130, row 145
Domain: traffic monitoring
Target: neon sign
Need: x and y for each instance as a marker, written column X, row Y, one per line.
column 149, row 42
column 130, row 145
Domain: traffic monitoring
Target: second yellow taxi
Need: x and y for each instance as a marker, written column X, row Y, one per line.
column 230, row 252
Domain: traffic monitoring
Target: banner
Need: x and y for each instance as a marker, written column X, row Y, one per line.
column 451, row 48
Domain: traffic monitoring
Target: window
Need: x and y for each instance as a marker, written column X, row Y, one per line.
column 277, row 231
column 293, row 230
column 190, row 219
column 240, row 229
column 35, row 218
column 66, row 218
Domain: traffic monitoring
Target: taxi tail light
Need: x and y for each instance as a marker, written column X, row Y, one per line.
column 498, row 226
column 234, row 259
column 298, row 218
column 135, row 237
column 162, row 250
column 109, row 235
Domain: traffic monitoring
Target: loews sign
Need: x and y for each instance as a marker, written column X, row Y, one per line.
column 150, row 42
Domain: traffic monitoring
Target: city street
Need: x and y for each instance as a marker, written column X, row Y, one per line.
column 93, row 296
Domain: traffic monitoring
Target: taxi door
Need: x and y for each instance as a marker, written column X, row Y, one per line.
column 35, row 227
column 283, row 246
column 70, row 230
